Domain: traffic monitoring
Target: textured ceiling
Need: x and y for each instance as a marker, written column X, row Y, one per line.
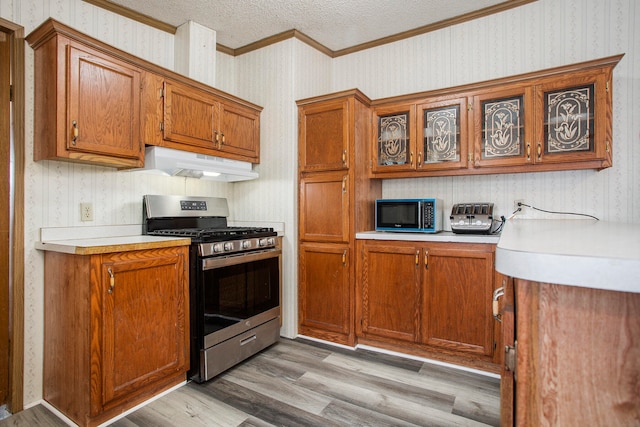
column 336, row 24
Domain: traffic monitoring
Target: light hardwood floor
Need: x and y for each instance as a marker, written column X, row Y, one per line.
column 302, row 383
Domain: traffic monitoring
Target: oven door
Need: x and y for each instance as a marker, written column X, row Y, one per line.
column 239, row 292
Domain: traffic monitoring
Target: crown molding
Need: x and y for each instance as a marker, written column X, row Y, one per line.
column 285, row 35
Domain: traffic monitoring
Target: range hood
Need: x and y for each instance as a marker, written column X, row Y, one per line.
column 170, row 162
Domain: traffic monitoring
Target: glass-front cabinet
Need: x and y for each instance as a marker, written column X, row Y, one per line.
column 443, row 127
column 428, row 135
column 573, row 125
column 503, row 132
column 555, row 119
column 395, row 144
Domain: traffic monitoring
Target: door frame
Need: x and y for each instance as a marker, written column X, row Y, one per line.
column 15, row 399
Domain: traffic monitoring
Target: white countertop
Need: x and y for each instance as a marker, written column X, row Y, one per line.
column 442, row 236
column 583, row 252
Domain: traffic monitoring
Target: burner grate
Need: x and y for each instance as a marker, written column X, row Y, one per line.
column 215, row 234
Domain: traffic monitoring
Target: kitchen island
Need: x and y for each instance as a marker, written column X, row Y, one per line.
column 571, row 321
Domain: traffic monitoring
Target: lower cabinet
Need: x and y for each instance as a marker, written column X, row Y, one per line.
column 116, row 330
column 431, row 299
column 325, row 300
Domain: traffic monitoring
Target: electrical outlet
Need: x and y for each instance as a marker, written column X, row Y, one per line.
column 518, row 207
column 86, row 212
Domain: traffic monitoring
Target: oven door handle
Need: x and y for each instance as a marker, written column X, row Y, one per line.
column 242, row 258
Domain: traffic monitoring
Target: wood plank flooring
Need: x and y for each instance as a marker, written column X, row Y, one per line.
column 303, row 383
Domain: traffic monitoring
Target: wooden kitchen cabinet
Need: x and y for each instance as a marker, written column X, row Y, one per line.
column 395, row 142
column 554, row 119
column 457, row 288
column 99, row 105
column 427, row 135
column 324, row 205
column 116, row 329
column 336, row 200
column 388, row 291
column 87, row 103
column 575, row 356
column 431, row 299
column 189, row 117
column 325, row 308
column 318, row 124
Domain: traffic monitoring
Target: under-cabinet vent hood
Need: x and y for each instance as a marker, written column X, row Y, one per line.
column 170, row 162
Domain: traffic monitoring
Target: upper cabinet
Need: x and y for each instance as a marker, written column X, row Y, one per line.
column 99, row 105
column 555, row 119
column 186, row 116
column 87, row 103
column 429, row 135
column 324, row 136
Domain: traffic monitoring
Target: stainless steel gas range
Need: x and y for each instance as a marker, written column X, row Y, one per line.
column 234, row 286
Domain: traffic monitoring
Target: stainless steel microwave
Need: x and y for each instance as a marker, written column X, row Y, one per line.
column 409, row 215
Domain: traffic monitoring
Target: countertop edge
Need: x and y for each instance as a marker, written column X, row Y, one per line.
column 112, row 244
column 443, row 236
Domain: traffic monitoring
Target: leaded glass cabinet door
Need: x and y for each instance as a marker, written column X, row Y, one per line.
column 503, row 127
column 395, row 139
column 573, row 126
column 443, row 131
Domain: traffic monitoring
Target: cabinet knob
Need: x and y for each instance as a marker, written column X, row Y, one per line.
column 528, row 152
column 539, row 151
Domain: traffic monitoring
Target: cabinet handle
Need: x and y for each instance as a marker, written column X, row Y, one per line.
column 76, row 132
column 112, row 281
column 528, row 152
column 411, row 158
column 417, row 258
column 344, row 184
column 221, row 141
column 419, row 160
column 497, row 293
column 344, row 257
column 344, row 157
column 539, row 151
column 426, row 260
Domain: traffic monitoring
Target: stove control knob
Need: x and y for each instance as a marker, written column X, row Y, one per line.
column 228, row 246
column 246, row 244
column 267, row 241
column 218, row 247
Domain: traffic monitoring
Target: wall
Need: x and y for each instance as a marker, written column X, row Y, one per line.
column 544, row 34
column 536, row 36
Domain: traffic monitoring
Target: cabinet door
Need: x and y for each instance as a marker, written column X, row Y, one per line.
column 324, row 207
column 323, row 131
column 103, row 101
column 325, row 301
column 574, row 126
column 503, row 122
column 152, row 107
column 190, row 116
column 388, row 291
column 395, row 138
column 239, row 132
column 443, row 130
column 143, row 325
column 458, row 288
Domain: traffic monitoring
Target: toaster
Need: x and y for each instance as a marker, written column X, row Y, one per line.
column 472, row 218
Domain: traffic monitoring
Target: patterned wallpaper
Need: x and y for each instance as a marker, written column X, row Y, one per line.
column 540, row 35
